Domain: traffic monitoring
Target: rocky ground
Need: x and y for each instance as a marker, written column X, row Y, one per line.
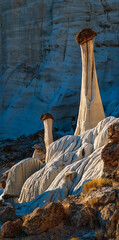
column 94, row 214
column 15, row 150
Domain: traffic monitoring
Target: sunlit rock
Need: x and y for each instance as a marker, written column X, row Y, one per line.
column 91, row 109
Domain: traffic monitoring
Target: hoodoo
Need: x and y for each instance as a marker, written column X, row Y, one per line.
column 47, row 119
column 91, row 109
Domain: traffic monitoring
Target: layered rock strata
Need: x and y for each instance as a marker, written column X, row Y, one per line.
column 40, row 65
column 19, row 173
column 70, row 161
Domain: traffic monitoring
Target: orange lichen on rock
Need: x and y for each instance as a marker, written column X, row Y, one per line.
column 84, row 35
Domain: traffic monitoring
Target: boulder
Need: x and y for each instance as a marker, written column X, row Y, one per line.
column 12, row 229
column 8, row 213
column 101, row 196
column 110, row 153
column 43, row 219
column 113, row 132
column 86, row 216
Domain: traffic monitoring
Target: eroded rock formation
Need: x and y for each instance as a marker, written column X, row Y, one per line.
column 18, row 175
column 91, row 109
column 92, row 214
column 48, row 122
column 70, row 161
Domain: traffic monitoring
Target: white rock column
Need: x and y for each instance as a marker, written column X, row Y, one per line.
column 48, row 122
column 91, row 109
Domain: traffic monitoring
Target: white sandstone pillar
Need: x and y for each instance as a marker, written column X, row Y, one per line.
column 48, row 122
column 91, row 109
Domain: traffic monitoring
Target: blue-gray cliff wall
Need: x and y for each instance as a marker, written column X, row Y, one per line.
column 40, row 63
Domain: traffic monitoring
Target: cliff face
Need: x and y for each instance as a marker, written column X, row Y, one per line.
column 41, row 63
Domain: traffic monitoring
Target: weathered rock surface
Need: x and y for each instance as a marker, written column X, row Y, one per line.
column 43, row 219
column 73, row 217
column 113, row 132
column 70, row 161
column 7, row 213
column 12, row 229
column 110, row 153
column 103, row 196
column 19, row 173
column 41, row 65
column 91, row 109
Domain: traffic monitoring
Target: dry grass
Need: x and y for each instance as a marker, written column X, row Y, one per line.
column 74, row 238
column 96, row 184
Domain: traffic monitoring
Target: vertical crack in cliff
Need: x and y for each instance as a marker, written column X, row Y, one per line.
column 107, row 10
column 65, row 46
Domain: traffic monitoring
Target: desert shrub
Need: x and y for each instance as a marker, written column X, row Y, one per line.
column 96, row 184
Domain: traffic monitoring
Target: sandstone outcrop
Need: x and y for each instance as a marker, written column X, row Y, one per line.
column 70, row 161
column 39, row 152
column 48, row 122
column 44, row 219
column 113, row 132
column 70, row 154
column 86, row 216
column 110, row 153
column 91, row 109
column 12, row 229
column 18, row 175
column 40, row 64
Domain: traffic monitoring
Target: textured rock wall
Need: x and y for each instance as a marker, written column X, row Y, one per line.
column 40, row 67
